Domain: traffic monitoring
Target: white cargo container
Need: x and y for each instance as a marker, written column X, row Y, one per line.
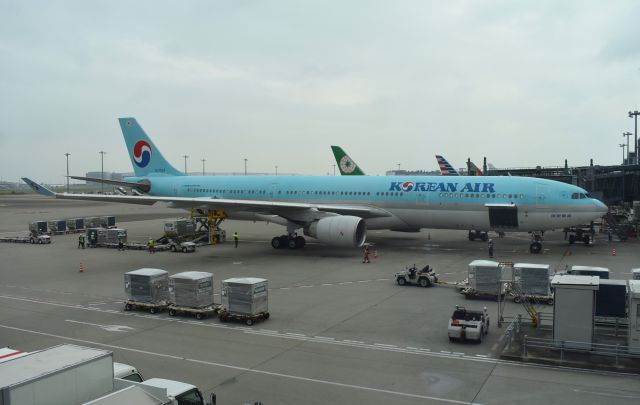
column 245, row 295
column 601, row 272
column 192, row 289
column 635, row 274
column 485, row 277
column 62, row 375
column 532, row 279
column 634, row 316
column 147, row 285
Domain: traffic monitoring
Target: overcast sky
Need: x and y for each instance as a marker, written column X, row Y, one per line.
column 277, row 82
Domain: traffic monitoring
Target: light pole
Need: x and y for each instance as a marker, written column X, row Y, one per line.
column 334, row 170
column 102, row 153
column 203, row 160
column 185, row 164
column 276, row 170
column 627, row 134
column 622, row 145
column 245, row 166
column 398, row 166
column 67, row 155
column 635, row 138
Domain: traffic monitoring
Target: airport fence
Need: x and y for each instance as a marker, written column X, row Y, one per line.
column 563, row 347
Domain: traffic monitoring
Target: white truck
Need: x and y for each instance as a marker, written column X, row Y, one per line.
column 69, row 374
column 467, row 324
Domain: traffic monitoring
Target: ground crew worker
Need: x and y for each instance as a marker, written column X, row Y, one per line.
column 92, row 239
column 151, row 245
column 120, row 243
column 81, row 241
column 365, row 257
column 236, row 238
column 490, row 248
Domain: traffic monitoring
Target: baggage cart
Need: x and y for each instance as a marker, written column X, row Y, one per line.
column 152, row 307
column 199, row 313
column 225, row 316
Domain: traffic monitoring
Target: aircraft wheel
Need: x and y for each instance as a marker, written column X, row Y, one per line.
column 300, row 242
column 292, row 243
column 535, row 248
column 276, row 243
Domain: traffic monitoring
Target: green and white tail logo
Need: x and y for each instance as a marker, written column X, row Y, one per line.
column 347, row 166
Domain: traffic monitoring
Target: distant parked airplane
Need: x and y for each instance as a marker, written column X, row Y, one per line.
column 346, row 165
column 338, row 210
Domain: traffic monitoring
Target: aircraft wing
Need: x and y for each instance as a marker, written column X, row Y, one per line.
column 290, row 210
column 144, row 187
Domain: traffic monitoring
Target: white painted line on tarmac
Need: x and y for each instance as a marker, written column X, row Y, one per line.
column 284, row 288
column 108, row 328
column 323, row 337
column 353, row 341
column 325, row 284
column 364, row 281
column 245, row 369
column 295, row 334
column 482, row 355
column 459, row 354
column 346, row 282
column 305, row 286
column 445, row 352
column 606, row 394
column 383, row 345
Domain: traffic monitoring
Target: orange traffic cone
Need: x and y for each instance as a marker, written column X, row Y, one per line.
column 81, row 268
column 613, row 252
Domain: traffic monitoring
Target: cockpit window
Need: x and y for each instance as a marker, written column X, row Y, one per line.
column 575, row 196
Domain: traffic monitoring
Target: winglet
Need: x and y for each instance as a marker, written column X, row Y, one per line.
column 38, row 188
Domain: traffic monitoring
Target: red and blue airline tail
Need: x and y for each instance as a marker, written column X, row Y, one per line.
column 145, row 156
column 445, row 168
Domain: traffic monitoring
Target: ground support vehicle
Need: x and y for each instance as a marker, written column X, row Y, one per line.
column 468, row 324
column 199, row 313
column 153, row 308
column 470, row 293
column 184, row 247
column 33, row 239
column 225, row 316
column 424, row 277
column 482, row 235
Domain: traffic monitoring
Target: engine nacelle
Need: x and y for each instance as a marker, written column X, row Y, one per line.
column 341, row 230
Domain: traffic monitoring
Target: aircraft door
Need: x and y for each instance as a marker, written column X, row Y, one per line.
column 503, row 217
column 272, row 192
column 542, row 195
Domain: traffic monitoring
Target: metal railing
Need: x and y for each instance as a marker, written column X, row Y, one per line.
column 511, row 333
column 565, row 346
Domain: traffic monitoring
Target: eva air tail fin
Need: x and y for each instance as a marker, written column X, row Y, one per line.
column 346, row 165
column 146, row 158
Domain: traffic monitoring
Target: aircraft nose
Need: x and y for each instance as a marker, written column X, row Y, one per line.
column 601, row 208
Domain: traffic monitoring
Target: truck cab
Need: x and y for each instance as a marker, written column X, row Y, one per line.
column 126, row 372
column 178, row 392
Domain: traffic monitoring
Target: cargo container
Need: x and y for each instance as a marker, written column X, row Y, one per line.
column 191, row 289
column 485, row 277
column 38, row 227
column 92, row 222
column 244, row 299
column 108, row 221
column 179, row 227
column 601, row 272
column 57, row 226
column 62, row 375
column 75, row 224
column 147, row 286
column 532, row 279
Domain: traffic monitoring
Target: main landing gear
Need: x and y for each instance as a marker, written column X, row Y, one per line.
column 536, row 244
column 291, row 241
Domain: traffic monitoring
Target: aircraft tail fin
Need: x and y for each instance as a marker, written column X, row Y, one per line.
column 473, row 169
column 346, row 165
column 445, row 167
column 40, row 189
column 146, row 158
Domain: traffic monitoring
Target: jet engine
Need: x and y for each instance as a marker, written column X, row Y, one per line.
column 341, row 230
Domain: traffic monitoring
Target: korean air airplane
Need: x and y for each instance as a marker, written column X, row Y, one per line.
column 338, row 210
